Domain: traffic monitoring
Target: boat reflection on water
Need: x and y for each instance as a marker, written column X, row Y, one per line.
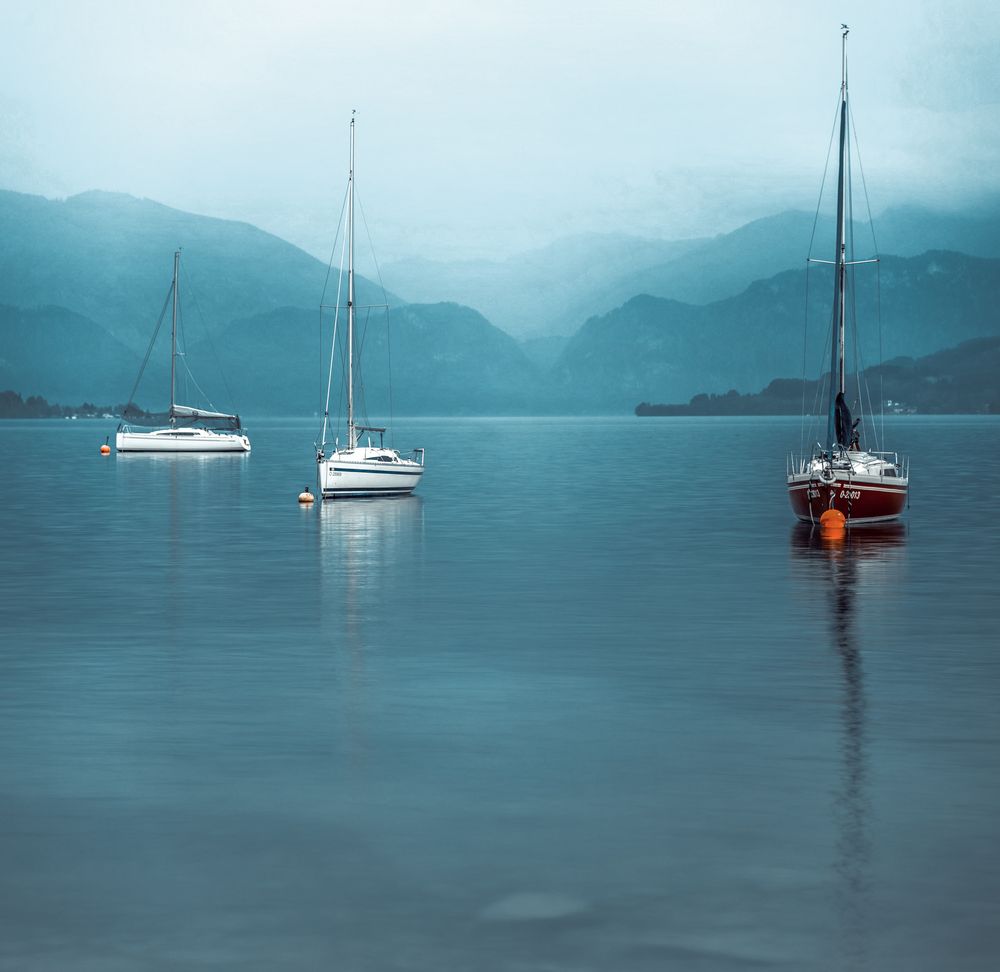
column 172, row 499
column 366, row 546
column 202, row 460
column 371, row 553
column 853, row 568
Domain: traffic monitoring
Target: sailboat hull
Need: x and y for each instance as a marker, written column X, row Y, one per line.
column 869, row 499
column 181, row 440
column 382, row 473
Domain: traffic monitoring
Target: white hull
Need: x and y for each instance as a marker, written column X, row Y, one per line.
column 367, row 472
column 181, row 440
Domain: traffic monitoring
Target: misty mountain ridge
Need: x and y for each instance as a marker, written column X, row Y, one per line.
column 445, row 359
column 550, row 291
column 544, row 292
column 658, row 349
column 766, row 246
column 109, row 257
column 448, row 358
column 64, row 356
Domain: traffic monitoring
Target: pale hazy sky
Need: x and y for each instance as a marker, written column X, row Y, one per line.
column 488, row 127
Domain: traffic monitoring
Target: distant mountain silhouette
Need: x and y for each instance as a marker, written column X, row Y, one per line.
column 446, row 360
column 553, row 290
column 729, row 263
column 109, row 257
column 84, row 281
column 66, row 357
column 540, row 293
column 655, row 349
column 964, row 379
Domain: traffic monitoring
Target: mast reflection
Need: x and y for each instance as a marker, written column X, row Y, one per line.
column 855, row 568
column 171, row 500
column 369, row 552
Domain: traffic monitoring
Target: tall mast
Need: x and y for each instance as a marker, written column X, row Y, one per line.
column 837, row 383
column 352, row 436
column 173, row 338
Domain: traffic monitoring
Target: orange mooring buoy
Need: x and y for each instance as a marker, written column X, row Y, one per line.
column 106, row 449
column 305, row 496
column 832, row 521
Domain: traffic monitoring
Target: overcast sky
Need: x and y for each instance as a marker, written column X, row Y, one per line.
column 488, row 127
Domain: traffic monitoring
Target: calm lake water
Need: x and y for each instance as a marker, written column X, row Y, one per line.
column 589, row 701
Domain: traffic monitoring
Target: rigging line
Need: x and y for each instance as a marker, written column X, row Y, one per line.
column 194, row 381
column 211, row 344
column 859, row 356
column 326, row 409
column 342, row 348
column 342, row 399
column 852, row 304
column 385, row 299
column 864, row 390
column 881, row 368
column 179, row 348
column 820, row 384
column 188, row 373
column 320, row 359
column 182, row 350
column 371, row 246
column 182, row 354
column 149, row 350
column 333, row 249
column 878, row 282
column 826, row 375
column 805, row 349
column 322, row 300
column 864, row 184
column 333, row 344
column 358, row 371
column 388, row 351
column 826, row 169
column 858, row 352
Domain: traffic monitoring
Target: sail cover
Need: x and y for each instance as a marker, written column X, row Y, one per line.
column 186, row 415
column 842, row 421
column 185, row 411
column 181, row 415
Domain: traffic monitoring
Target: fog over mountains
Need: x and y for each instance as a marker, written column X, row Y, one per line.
column 587, row 324
column 551, row 291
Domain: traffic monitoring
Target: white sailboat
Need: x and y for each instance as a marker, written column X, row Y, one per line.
column 359, row 468
column 183, row 428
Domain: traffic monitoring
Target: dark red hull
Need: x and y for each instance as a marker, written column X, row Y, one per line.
column 861, row 501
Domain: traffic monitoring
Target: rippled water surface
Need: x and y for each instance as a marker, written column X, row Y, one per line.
column 589, row 701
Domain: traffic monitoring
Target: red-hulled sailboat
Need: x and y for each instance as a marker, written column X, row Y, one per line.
column 841, row 474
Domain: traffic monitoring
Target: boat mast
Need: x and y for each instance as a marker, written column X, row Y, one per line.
column 837, row 382
column 173, row 338
column 352, row 436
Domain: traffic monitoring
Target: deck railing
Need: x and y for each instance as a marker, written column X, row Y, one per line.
column 798, row 465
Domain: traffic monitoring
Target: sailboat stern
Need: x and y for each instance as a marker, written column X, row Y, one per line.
column 864, row 487
column 367, row 471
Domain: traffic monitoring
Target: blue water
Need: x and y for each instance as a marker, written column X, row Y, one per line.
column 588, row 701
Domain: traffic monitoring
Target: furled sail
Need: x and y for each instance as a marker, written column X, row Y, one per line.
column 842, row 421
column 186, row 411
